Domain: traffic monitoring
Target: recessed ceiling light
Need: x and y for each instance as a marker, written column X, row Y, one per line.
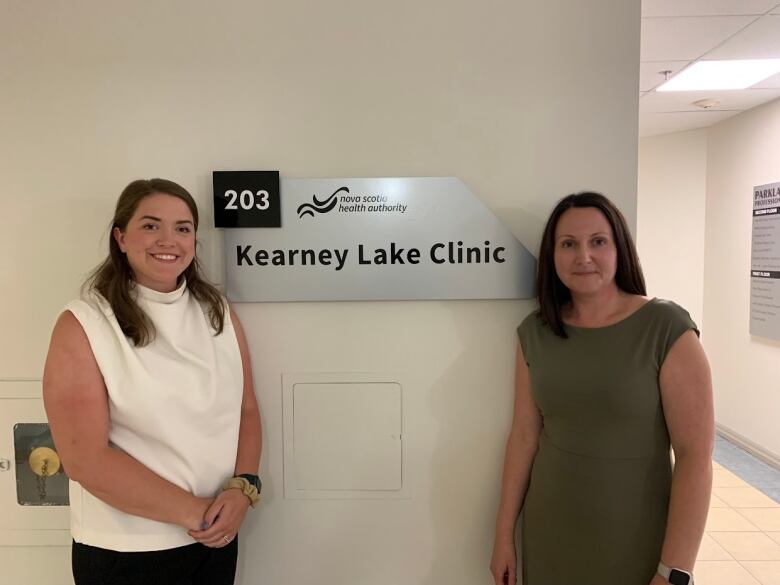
column 737, row 74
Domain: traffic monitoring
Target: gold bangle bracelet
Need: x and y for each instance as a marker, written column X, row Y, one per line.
column 240, row 483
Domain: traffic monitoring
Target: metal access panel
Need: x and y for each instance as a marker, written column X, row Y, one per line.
column 33, row 482
column 343, row 436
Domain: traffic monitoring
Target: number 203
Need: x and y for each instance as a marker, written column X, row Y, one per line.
column 247, row 199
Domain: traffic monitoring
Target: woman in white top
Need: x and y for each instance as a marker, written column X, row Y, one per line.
column 148, row 390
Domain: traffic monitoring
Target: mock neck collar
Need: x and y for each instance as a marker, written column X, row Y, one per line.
column 165, row 298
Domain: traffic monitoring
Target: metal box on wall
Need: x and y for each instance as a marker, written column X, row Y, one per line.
column 33, row 483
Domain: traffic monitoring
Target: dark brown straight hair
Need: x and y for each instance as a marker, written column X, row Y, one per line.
column 553, row 294
column 114, row 277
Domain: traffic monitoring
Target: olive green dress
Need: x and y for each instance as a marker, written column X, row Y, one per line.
column 595, row 510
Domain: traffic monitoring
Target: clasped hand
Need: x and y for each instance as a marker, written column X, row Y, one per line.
column 222, row 519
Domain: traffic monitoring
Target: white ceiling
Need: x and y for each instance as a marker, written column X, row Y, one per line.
column 677, row 33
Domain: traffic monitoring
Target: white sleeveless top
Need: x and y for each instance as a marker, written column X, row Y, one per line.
column 174, row 405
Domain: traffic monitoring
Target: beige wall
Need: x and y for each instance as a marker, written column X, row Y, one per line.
column 670, row 217
column 695, row 203
column 743, row 152
column 523, row 101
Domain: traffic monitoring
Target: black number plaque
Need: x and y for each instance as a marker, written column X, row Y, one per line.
column 247, row 199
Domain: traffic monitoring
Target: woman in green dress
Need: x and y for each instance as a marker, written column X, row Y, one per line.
column 607, row 380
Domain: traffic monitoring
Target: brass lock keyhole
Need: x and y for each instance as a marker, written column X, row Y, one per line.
column 44, row 461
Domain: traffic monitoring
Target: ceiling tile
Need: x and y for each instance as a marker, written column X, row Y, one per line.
column 651, row 124
column 680, row 39
column 705, row 7
column 682, row 101
column 770, row 83
column 650, row 73
column 760, row 40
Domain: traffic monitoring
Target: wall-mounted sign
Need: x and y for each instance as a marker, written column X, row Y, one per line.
column 378, row 239
column 765, row 262
column 246, row 199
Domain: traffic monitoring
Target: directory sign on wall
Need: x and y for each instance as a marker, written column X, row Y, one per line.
column 345, row 239
column 765, row 262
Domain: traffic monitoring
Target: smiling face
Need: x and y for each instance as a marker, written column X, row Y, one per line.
column 158, row 241
column 585, row 251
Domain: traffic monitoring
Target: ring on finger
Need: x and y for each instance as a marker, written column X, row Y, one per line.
column 227, row 539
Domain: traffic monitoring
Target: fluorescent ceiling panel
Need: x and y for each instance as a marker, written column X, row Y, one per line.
column 709, row 75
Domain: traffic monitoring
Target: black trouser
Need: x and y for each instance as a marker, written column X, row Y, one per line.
column 194, row 564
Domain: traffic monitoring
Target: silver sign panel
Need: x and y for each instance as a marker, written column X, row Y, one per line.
column 378, row 239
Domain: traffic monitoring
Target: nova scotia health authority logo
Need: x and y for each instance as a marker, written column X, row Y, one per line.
column 321, row 206
column 342, row 201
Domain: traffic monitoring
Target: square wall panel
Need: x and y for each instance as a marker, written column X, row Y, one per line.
column 343, row 436
column 347, row 436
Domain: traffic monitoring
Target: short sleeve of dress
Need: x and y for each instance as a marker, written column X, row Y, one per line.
column 86, row 314
column 527, row 332
column 672, row 321
column 91, row 313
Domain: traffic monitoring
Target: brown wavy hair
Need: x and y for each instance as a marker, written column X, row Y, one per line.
column 553, row 294
column 114, row 278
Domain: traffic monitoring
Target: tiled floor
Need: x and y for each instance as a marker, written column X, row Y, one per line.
column 757, row 473
column 741, row 543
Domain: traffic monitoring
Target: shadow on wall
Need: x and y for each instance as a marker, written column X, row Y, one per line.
column 473, row 418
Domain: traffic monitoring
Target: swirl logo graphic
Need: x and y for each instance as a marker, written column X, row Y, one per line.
column 323, row 206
